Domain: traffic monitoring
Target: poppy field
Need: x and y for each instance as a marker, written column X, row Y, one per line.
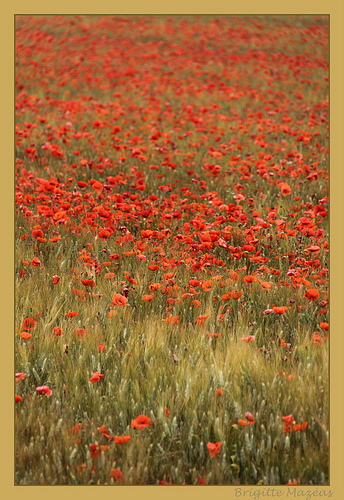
column 171, row 250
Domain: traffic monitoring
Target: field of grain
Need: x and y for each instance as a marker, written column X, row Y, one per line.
column 171, row 250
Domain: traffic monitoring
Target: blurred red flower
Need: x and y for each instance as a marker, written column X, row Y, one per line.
column 141, row 422
column 101, row 348
column 214, row 448
column 280, row 310
column 119, row 300
column 172, row 320
column 249, row 417
column 96, row 377
column 44, row 390
column 312, row 294
column 57, row 331
column 29, row 324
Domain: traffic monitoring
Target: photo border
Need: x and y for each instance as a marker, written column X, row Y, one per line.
column 336, row 11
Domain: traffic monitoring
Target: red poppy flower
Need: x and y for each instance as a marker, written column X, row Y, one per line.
column 317, row 339
column 219, row 392
column 214, row 448
column 44, row 390
column 80, row 293
column 95, row 451
column 37, row 233
column 315, row 249
column 96, row 377
column 289, row 419
column 300, row 427
column 130, row 279
column 266, row 285
column 19, row 376
column 285, row 188
column 114, row 256
column 147, row 298
column 250, row 338
column 104, row 234
column 212, row 335
column 72, row 314
column 324, row 325
column 56, row 279
column 280, row 310
column 57, row 331
column 74, row 430
column 101, row 348
column 80, row 332
column 153, row 267
column 250, row 279
column 243, row 423
column 194, row 283
column 167, row 412
column 312, row 294
column 36, row 262
column 141, row 422
column 119, row 300
column 121, row 439
column 102, row 430
column 249, row 417
column 98, row 186
column 110, row 275
column 201, row 319
column 88, row 283
column 29, row 324
column 117, row 475
column 154, row 286
column 18, row 399
column 172, row 320
column 207, row 285
column 25, row 335
column 81, row 184
column 168, row 276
